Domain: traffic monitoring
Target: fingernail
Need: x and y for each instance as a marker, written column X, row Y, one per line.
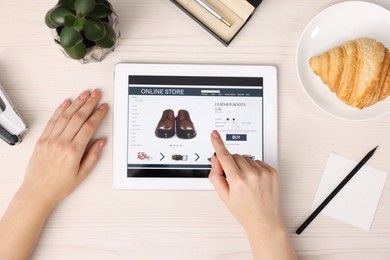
column 103, row 106
column 215, row 134
column 65, row 103
column 95, row 93
column 84, row 95
column 101, row 144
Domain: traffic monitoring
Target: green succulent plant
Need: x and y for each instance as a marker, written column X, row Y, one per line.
column 82, row 24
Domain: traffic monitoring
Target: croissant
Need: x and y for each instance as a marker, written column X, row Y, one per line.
column 358, row 71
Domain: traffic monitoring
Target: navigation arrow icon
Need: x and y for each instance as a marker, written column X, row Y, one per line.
column 197, row 156
column 162, row 157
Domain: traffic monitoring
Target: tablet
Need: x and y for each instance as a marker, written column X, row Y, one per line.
column 164, row 115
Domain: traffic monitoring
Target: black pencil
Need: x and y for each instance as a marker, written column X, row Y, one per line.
column 335, row 191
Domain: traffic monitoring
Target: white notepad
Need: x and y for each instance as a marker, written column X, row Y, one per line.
column 357, row 202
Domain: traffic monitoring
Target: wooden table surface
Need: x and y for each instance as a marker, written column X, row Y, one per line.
column 98, row 222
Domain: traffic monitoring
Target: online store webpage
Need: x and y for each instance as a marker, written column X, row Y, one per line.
column 171, row 118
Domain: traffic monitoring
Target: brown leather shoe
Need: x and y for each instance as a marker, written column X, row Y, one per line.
column 166, row 126
column 184, row 127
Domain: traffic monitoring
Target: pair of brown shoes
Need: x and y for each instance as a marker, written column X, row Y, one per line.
column 182, row 125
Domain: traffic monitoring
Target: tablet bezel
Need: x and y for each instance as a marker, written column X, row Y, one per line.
column 120, row 133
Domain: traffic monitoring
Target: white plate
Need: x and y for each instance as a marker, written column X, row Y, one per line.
column 332, row 27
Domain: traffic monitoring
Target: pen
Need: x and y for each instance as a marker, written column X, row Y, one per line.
column 214, row 12
column 335, row 191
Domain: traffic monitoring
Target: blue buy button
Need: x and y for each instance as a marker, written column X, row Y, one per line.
column 230, row 137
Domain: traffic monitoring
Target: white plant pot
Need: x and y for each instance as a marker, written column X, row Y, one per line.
column 94, row 53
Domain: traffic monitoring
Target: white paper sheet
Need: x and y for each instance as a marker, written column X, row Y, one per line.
column 357, row 202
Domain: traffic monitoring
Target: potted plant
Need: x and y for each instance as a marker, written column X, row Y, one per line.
column 85, row 30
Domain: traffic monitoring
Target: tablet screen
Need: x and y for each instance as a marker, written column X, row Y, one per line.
column 170, row 119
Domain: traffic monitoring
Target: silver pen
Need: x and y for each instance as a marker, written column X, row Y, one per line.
column 214, row 12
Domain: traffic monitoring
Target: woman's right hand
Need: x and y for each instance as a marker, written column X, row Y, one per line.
column 250, row 190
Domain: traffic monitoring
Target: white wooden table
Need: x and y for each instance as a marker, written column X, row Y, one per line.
column 98, row 222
